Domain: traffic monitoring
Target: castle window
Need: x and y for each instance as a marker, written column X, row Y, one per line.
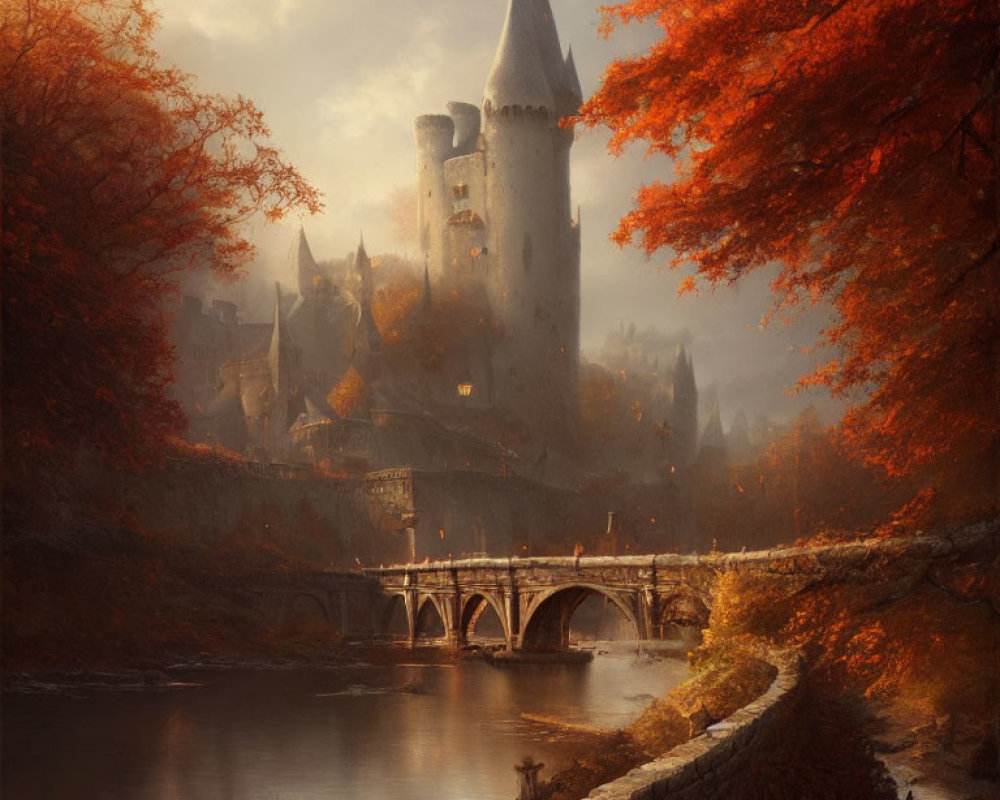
column 461, row 191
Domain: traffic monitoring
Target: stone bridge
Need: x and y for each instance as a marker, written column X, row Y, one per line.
column 534, row 598
column 343, row 602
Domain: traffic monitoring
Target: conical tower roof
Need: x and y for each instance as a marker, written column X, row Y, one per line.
column 713, row 435
column 547, row 38
column 277, row 356
column 305, row 264
column 571, row 81
column 363, row 268
column 518, row 76
column 683, row 376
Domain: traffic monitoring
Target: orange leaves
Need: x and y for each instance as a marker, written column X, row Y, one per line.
column 852, row 143
column 351, row 397
column 395, row 308
column 687, row 286
column 118, row 175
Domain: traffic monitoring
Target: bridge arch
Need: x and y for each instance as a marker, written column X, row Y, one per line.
column 306, row 609
column 546, row 622
column 395, row 618
column 473, row 607
column 684, row 609
column 429, row 615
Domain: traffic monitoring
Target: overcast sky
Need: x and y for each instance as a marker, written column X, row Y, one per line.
column 340, row 83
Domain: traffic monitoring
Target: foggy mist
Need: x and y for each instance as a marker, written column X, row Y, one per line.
column 340, row 90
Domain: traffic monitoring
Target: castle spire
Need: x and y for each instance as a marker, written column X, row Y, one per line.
column 518, row 76
column 279, row 341
column 549, row 49
column 713, row 435
column 306, row 265
column 363, row 267
column 571, row 81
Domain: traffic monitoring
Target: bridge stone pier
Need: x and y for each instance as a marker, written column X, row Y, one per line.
column 534, row 598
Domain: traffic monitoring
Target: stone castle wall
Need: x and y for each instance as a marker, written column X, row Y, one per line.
column 337, row 521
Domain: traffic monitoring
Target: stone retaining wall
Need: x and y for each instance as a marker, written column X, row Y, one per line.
column 712, row 765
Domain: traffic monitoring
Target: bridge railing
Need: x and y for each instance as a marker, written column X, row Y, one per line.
column 921, row 546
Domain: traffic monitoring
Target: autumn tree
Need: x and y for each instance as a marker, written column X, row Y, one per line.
column 856, row 145
column 352, row 396
column 117, row 176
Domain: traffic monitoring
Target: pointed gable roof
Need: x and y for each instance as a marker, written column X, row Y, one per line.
column 571, row 80
column 547, row 39
column 518, row 76
column 308, row 270
column 683, row 370
column 363, row 268
column 713, row 435
column 280, row 342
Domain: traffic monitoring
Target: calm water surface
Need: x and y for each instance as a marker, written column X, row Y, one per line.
column 340, row 733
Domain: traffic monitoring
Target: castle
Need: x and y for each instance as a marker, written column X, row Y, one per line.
column 481, row 371
column 494, row 222
column 494, row 207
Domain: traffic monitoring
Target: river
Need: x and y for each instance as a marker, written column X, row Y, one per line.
column 416, row 732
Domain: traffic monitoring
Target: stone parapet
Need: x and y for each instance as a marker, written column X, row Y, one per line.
column 711, row 765
column 791, row 560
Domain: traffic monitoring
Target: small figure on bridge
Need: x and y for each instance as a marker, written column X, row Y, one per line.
column 578, row 550
column 527, row 778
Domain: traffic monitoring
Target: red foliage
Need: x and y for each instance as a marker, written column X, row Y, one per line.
column 856, row 144
column 117, row 175
column 457, row 322
column 351, row 397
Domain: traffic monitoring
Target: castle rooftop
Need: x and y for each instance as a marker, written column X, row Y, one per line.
column 572, row 80
column 519, row 76
column 547, row 38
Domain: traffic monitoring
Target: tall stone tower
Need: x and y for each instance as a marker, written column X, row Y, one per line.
column 494, row 206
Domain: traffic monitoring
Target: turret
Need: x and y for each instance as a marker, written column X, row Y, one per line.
column 497, row 213
column 367, row 339
column 738, row 439
column 547, row 39
column 434, row 134
column 283, row 368
column 278, row 358
column 363, row 270
column 571, row 96
column 534, row 271
column 518, row 78
column 713, row 437
column 684, row 412
column 467, row 122
column 305, row 265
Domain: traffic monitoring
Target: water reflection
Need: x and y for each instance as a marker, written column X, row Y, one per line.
column 305, row 735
